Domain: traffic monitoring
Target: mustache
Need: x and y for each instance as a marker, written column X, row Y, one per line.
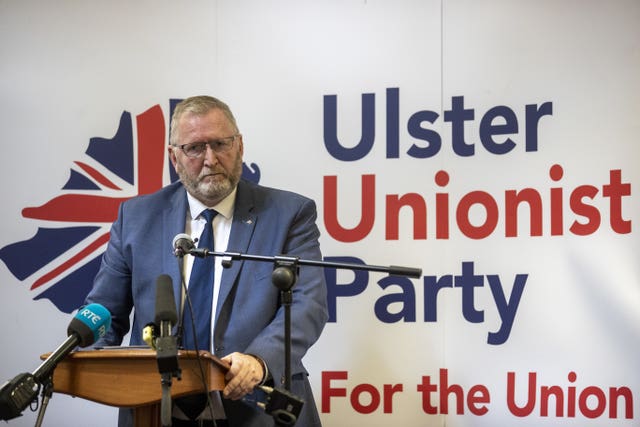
column 209, row 172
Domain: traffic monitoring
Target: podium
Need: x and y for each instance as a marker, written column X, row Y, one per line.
column 128, row 377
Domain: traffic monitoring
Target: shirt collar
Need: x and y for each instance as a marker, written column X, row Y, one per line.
column 224, row 208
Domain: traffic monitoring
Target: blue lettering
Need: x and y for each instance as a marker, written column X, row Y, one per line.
column 336, row 290
column 400, row 306
column 334, row 147
column 488, row 129
column 417, row 131
column 433, row 285
column 507, row 310
column 393, row 123
column 498, row 121
column 407, row 299
column 533, row 115
column 468, row 282
column 457, row 115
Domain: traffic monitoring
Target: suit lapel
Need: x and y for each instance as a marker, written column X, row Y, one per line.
column 242, row 228
column 173, row 223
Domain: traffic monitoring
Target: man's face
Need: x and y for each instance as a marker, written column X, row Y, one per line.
column 212, row 176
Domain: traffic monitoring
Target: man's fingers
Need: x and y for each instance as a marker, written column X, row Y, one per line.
column 243, row 375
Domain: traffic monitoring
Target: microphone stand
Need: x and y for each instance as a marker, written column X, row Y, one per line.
column 168, row 367
column 167, row 360
column 282, row 405
column 23, row 390
column 47, row 392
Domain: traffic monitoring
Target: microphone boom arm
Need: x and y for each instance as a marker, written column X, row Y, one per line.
column 229, row 257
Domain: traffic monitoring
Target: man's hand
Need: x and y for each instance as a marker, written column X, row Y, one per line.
column 245, row 373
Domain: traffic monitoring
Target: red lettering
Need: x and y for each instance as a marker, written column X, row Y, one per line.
column 374, row 400
column 580, row 208
column 527, row 409
column 477, row 399
column 571, row 395
column 389, row 391
column 367, row 214
column 426, row 388
column 512, row 200
column 364, row 398
column 490, row 222
column 442, row 207
column 581, row 203
column 614, row 394
column 446, row 390
column 591, row 401
column 419, row 208
column 545, row 394
column 601, row 402
column 328, row 391
column 615, row 190
column 557, row 226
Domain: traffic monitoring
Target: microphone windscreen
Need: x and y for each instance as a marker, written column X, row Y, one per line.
column 165, row 301
column 183, row 242
column 90, row 324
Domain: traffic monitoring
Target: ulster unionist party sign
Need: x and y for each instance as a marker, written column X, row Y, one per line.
column 493, row 145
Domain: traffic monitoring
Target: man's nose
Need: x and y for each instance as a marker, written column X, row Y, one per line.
column 210, row 155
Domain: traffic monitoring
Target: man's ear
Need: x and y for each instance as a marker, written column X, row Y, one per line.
column 172, row 155
column 240, row 145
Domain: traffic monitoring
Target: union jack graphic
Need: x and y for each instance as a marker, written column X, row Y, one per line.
column 61, row 260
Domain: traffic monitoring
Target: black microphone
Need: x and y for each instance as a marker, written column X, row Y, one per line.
column 166, row 317
column 89, row 324
column 165, row 304
column 182, row 245
column 166, row 344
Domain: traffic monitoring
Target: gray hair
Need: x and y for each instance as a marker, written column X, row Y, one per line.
column 198, row 105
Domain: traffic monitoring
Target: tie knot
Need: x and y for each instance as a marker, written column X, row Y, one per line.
column 209, row 214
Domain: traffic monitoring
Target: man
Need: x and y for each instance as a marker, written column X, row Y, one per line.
column 206, row 149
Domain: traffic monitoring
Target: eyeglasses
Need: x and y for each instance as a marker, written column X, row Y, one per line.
column 218, row 146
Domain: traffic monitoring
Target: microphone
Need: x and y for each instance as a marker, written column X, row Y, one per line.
column 182, row 245
column 166, row 344
column 166, row 316
column 88, row 325
column 166, row 313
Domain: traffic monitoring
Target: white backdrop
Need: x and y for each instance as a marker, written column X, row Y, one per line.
column 70, row 69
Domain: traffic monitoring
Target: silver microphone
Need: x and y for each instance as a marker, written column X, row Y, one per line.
column 182, row 245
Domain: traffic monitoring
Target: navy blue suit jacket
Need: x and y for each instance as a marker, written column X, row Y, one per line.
column 249, row 317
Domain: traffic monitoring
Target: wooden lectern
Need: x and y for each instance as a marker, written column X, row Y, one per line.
column 128, row 377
